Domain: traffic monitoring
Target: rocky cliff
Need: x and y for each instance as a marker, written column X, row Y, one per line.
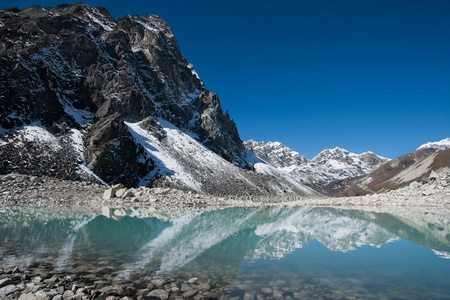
column 74, row 84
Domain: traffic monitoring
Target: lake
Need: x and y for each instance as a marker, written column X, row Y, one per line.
column 240, row 253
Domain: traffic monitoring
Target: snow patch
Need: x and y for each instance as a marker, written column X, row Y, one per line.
column 104, row 24
column 440, row 145
column 146, row 26
column 38, row 134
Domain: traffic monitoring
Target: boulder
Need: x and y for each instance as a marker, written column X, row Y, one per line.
column 158, row 294
column 108, row 194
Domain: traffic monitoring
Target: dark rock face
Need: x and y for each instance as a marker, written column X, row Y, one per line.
column 112, row 154
column 216, row 130
column 39, row 159
column 75, row 66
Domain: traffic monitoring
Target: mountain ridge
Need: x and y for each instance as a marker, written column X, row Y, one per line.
column 327, row 166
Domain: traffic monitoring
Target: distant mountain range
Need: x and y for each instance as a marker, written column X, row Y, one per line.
column 338, row 172
column 85, row 96
column 329, row 165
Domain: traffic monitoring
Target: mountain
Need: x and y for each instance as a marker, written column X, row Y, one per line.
column 328, row 166
column 87, row 96
column 440, row 145
column 401, row 171
column 275, row 153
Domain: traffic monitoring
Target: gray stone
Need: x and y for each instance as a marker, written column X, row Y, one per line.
column 28, row 296
column 161, row 294
column 60, row 290
column 41, row 294
column 114, row 289
column 192, row 280
column 68, row 294
column 108, row 194
column 248, row 296
column 159, row 283
column 6, row 281
column 121, row 192
column 36, row 279
column 267, row 291
column 189, row 294
column 7, row 290
column 185, row 287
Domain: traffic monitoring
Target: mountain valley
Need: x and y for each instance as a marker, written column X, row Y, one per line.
column 85, row 96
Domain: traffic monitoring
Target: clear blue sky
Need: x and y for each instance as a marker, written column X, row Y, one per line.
column 358, row 74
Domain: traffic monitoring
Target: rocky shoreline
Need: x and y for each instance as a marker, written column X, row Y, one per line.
column 19, row 189
column 42, row 281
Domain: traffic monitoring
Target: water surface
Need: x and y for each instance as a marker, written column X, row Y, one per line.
column 270, row 252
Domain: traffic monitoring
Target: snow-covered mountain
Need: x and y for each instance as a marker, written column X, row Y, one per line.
column 328, row 166
column 440, row 145
column 275, row 153
column 87, row 96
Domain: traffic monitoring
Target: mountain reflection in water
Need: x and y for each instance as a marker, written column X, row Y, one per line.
column 164, row 242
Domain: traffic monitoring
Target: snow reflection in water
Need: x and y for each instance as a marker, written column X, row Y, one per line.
column 254, row 245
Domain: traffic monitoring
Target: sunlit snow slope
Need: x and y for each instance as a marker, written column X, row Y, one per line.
column 181, row 161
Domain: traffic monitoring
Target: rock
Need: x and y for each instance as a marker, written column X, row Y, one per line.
column 192, row 280
column 68, row 294
column 52, row 280
column 159, row 283
column 108, row 194
column 29, row 296
column 185, row 287
column 120, row 193
column 7, row 290
column 41, row 294
column 158, row 294
column 36, row 279
column 107, row 212
column 248, row 296
column 60, row 290
column 6, row 281
column 414, row 184
column 189, row 293
column 129, row 193
column 301, row 295
column 204, row 287
column 429, row 190
column 114, row 289
column 267, row 291
column 433, row 176
column 160, row 191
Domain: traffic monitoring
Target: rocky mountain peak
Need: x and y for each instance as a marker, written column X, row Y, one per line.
column 276, row 153
column 336, row 153
column 75, row 67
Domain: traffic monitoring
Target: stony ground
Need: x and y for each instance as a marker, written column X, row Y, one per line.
column 23, row 189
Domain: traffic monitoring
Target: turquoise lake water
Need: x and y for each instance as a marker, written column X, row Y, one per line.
column 270, row 252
